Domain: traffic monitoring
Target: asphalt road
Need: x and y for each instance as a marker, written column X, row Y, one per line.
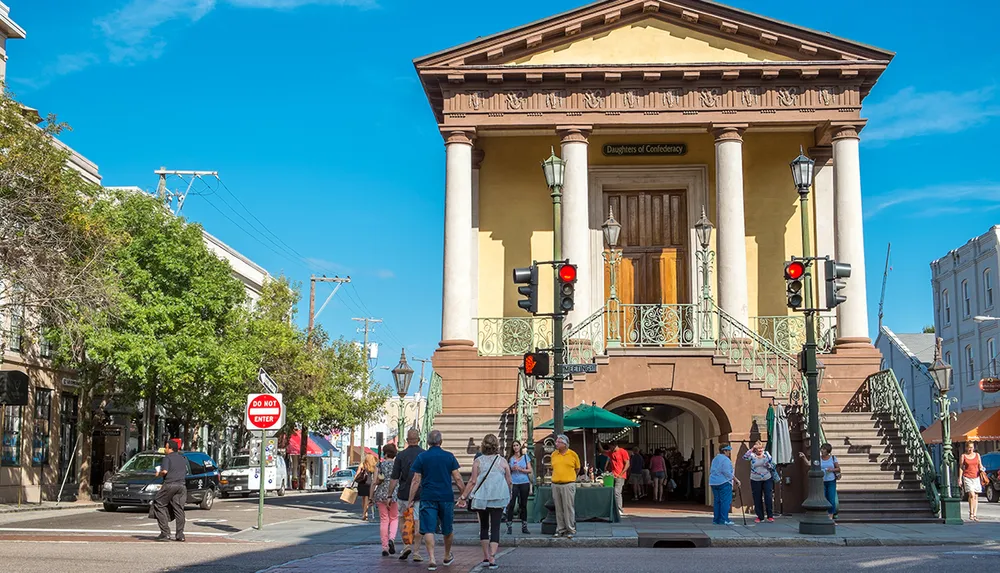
column 226, row 518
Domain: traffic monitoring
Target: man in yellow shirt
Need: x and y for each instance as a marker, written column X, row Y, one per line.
column 565, row 468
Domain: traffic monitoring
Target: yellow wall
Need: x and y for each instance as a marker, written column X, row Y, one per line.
column 515, row 210
column 650, row 41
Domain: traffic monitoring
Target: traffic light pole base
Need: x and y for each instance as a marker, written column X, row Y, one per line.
column 951, row 510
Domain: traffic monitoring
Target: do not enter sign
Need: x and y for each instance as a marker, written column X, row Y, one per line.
column 265, row 412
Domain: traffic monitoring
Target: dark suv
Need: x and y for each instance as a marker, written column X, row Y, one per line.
column 136, row 483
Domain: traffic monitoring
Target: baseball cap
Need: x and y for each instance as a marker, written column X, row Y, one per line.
column 725, row 447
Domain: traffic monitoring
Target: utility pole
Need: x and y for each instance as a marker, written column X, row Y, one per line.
column 168, row 196
column 304, row 433
column 367, row 328
column 420, row 391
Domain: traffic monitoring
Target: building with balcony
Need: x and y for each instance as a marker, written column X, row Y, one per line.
column 662, row 111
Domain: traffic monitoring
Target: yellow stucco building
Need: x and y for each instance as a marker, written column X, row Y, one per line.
column 661, row 111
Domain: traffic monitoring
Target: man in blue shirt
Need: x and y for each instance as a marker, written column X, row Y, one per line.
column 433, row 473
column 636, row 465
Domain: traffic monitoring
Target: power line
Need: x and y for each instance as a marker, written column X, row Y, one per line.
column 251, row 235
column 264, row 235
column 263, row 226
column 388, row 330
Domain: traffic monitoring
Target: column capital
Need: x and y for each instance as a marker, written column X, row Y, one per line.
column 822, row 155
column 574, row 133
column 728, row 131
column 478, row 155
column 463, row 135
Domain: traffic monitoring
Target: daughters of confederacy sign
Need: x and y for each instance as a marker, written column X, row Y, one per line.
column 639, row 149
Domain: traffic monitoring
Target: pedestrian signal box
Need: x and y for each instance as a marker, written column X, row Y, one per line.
column 536, row 364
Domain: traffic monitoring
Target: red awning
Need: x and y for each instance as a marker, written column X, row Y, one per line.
column 971, row 426
column 312, row 448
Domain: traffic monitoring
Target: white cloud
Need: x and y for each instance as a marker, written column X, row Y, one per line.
column 385, row 274
column 909, row 113
column 937, row 200
column 138, row 30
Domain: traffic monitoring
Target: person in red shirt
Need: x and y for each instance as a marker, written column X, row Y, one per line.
column 972, row 465
column 618, row 462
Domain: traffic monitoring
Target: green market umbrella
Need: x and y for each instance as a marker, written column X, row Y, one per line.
column 592, row 417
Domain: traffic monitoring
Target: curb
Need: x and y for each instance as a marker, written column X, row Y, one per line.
column 576, row 542
column 846, row 542
column 27, row 508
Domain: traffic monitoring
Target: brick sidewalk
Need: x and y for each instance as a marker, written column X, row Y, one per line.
column 368, row 559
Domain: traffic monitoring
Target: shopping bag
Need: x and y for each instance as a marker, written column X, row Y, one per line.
column 408, row 526
column 349, row 495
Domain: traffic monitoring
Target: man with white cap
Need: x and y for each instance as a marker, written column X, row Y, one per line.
column 721, row 478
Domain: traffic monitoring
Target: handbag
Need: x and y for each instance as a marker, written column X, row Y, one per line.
column 349, row 495
column 472, row 498
column 408, row 526
column 983, row 478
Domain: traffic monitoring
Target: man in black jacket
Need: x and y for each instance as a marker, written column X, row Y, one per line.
column 402, row 475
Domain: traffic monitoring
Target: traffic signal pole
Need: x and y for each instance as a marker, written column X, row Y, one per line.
column 816, row 520
column 558, row 351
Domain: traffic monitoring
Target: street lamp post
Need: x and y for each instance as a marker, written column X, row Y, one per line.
column 705, row 257
column 951, row 508
column 401, row 375
column 529, row 386
column 612, row 233
column 555, row 172
column 816, row 520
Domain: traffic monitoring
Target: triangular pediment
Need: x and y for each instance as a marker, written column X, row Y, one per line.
column 617, row 32
column 650, row 41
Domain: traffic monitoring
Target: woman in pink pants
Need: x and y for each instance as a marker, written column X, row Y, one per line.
column 388, row 508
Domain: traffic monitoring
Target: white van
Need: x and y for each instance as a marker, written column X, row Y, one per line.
column 240, row 478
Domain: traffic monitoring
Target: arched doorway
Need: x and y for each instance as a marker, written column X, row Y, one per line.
column 684, row 428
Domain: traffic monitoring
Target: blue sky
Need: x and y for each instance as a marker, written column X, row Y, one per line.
column 266, row 93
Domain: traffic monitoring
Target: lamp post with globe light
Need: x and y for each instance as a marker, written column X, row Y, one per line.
column 703, row 228
column 612, row 230
column 951, row 509
column 402, row 374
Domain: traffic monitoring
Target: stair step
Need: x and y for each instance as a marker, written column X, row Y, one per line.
column 885, row 512
column 881, row 486
column 887, row 496
column 881, row 517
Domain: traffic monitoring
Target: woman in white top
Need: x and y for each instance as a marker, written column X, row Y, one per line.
column 489, row 489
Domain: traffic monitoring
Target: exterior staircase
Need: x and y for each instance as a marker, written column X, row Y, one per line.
column 463, row 433
column 879, row 482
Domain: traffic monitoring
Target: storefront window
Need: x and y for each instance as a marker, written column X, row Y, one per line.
column 68, row 413
column 43, row 424
column 10, row 454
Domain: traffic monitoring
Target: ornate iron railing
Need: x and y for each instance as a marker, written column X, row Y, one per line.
column 657, row 325
column 512, row 336
column 757, row 357
column 788, row 333
column 587, row 339
column 433, row 407
column 887, row 398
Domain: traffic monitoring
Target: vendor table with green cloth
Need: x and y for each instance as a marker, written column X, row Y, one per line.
column 592, row 504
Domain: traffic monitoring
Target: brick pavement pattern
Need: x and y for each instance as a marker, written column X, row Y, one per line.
column 368, row 559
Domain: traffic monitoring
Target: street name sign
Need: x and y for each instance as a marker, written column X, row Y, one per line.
column 265, row 412
column 267, row 382
column 577, row 368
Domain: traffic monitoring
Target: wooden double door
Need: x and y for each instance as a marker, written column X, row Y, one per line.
column 654, row 244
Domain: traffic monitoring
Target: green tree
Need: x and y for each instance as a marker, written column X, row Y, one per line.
column 323, row 381
column 929, row 329
column 172, row 341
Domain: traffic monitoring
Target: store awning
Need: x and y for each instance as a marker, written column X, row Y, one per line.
column 971, row 426
column 318, row 446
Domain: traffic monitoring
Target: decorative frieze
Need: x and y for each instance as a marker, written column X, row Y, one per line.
column 729, row 97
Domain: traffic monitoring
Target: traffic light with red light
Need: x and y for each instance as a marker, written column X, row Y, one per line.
column 566, row 283
column 536, row 364
column 527, row 276
column 793, row 283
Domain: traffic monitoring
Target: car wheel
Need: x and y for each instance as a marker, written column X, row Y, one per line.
column 224, row 494
column 281, row 490
column 992, row 495
column 246, row 494
column 208, row 500
column 110, row 507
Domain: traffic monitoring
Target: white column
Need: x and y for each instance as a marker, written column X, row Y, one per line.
column 477, row 161
column 456, row 306
column 852, row 315
column 731, row 240
column 576, row 238
column 825, row 215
